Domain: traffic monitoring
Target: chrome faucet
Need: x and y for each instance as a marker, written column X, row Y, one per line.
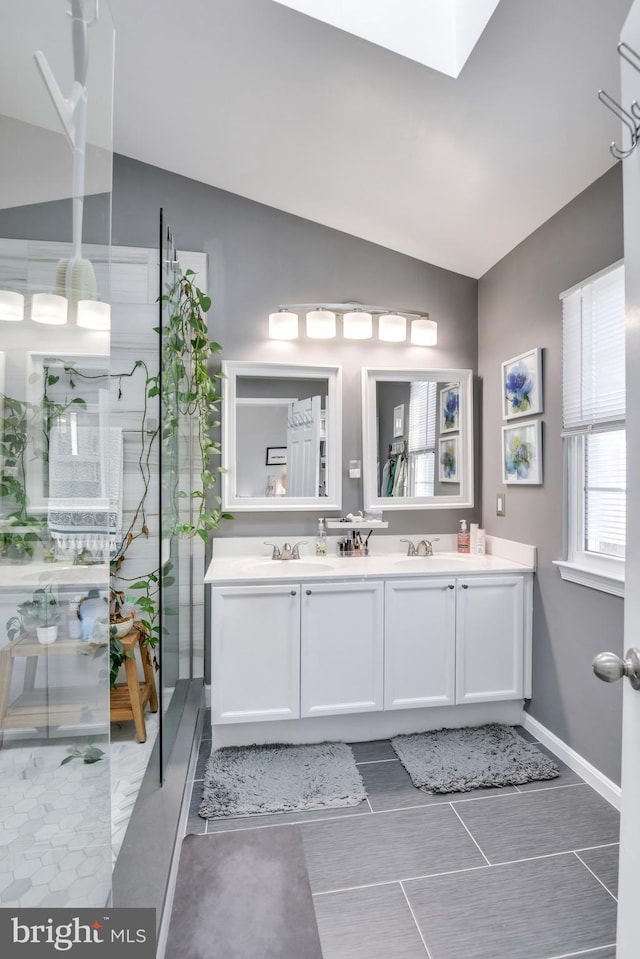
column 424, row 547
column 288, row 551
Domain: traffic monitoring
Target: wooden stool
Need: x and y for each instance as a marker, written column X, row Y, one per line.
column 128, row 700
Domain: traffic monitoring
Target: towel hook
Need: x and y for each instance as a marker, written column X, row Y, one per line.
column 626, row 118
column 628, row 54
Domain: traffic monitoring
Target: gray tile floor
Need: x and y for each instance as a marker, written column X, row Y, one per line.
column 525, row 872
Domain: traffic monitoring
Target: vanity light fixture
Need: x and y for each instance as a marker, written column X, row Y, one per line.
column 93, row 315
column 49, row 308
column 357, row 323
column 392, row 328
column 321, row 324
column 283, row 325
column 11, row 306
column 424, row 332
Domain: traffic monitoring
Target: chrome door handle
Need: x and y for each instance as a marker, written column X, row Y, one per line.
column 608, row 667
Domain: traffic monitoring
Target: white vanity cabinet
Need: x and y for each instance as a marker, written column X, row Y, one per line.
column 255, row 653
column 420, row 657
column 454, row 640
column 368, row 636
column 341, row 648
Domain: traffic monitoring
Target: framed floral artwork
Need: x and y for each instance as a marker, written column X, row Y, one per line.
column 448, row 460
column 522, row 385
column 522, row 454
column 449, row 409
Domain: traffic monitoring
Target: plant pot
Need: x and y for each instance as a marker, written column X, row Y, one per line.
column 47, row 634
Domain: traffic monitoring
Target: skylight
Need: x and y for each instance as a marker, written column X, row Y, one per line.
column 438, row 33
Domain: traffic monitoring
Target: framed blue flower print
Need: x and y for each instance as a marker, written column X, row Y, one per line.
column 448, row 460
column 450, row 409
column 522, row 385
column 522, row 454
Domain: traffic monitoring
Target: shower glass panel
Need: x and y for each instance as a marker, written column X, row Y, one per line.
column 57, row 491
column 181, row 557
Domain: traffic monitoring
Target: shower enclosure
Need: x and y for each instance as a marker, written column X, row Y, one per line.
column 57, row 504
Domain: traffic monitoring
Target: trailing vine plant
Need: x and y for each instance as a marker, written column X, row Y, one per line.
column 188, row 393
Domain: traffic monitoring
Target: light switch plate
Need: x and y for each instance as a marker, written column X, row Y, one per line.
column 500, row 504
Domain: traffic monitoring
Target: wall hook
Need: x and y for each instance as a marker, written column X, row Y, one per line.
column 626, row 118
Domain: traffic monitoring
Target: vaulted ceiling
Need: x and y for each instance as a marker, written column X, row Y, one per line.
column 261, row 100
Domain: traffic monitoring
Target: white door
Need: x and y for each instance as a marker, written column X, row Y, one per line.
column 419, row 642
column 341, row 648
column 629, row 873
column 303, row 447
column 255, row 653
column 489, row 638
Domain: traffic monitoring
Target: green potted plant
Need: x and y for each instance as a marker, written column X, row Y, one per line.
column 42, row 612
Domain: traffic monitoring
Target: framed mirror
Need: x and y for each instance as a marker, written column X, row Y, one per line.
column 417, row 435
column 281, row 436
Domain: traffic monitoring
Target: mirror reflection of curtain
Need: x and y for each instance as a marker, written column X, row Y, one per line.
column 422, row 439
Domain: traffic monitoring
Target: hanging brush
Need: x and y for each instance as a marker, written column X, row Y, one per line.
column 75, row 277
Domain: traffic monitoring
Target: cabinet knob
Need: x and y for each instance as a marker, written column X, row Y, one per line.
column 308, row 592
column 293, row 592
column 450, row 586
column 465, row 586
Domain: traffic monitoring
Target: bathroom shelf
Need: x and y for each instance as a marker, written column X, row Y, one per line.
column 356, row 524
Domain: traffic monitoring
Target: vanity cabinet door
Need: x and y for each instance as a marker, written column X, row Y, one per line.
column 341, row 648
column 420, row 642
column 489, row 638
column 255, row 653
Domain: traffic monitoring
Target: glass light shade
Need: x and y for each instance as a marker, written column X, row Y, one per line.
column 321, row 324
column 93, row 315
column 49, row 308
column 11, row 306
column 283, row 325
column 357, row 325
column 424, row 332
column 392, row 328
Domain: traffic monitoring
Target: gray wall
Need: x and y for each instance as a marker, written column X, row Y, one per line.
column 260, row 257
column 518, row 310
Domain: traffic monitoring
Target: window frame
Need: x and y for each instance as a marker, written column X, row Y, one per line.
column 579, row 565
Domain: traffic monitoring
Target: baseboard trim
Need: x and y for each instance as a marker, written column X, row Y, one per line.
column 606, row 787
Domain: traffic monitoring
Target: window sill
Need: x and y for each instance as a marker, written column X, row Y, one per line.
column 608, row 581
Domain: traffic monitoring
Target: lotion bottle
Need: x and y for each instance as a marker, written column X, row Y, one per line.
column 321, row 539
column 464, row 545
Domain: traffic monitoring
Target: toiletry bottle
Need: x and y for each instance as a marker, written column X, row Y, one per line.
column 74, row 626
column 482, row 545
column 321, row 539
column 473, row 537
column 463, row 537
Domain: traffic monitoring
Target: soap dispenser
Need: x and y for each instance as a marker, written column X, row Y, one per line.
column 321, row 539
column 464, row 539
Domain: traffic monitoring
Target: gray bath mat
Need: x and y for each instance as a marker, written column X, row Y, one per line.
column 457, row 760
column 248, row 780
column 243, row 895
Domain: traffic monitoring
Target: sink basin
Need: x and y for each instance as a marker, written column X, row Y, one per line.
column 427, row 563
column 289, row 567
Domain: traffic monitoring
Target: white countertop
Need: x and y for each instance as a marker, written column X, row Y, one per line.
column 258, row 567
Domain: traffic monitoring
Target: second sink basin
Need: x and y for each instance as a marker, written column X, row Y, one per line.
column 289, row 568
column 430, row 563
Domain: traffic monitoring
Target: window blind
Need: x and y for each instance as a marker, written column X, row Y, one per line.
column 593, row 380
column 421, row 439
column 593, row 409
column 422, row 416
